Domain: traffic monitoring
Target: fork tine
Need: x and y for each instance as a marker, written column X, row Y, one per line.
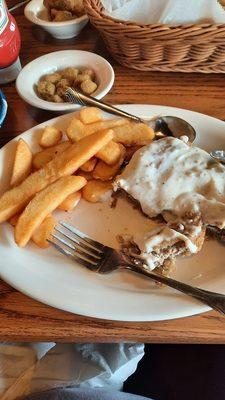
column 73, row 96
column 72, row 256
column 87, row 256
column 90, row 250
column 78, row 252
column 96, row 245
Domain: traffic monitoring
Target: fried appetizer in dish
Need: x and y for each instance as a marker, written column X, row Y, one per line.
column 52, row 87
column 59, row 16
column 64, row 10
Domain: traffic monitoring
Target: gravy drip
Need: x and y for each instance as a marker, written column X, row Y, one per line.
column 153, row 242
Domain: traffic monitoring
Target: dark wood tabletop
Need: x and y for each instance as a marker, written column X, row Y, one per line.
column 24, row 319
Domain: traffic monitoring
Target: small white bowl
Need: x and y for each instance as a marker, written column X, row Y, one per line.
column 52, row 62
column 37, row 13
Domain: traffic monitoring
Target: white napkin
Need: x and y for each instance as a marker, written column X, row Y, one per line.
column 17, row 365
column 171, row 12
column 29, row 368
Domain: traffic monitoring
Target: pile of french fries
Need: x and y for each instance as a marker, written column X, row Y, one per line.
column 64, row 171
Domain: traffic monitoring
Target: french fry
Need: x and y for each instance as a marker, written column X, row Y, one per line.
column 87, row 175
column 77, row 130
column 89, row 115
column 70, row 202
column 43, row 157
column 106, row 172
column 89, row 165
column 43, row 204
column 43, row 232
column 13, row 220
column 133, row 134
column 63, row 164
column 22, row 163
column 97, row 191
column 103, row 125
column 51, row 136
column 110, row 153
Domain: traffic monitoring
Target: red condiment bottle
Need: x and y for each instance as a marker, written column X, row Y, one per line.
column 9, row 45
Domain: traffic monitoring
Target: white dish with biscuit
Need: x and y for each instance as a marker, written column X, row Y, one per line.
column 30, row 75
column 55, row 280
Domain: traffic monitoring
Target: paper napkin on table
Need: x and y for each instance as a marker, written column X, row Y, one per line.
column 171, row 12
column 17, row 365
column 34, row 367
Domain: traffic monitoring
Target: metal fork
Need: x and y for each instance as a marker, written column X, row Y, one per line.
column 103, row 259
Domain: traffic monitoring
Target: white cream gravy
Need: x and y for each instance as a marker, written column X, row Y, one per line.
column 160, row 237
column 169, row 175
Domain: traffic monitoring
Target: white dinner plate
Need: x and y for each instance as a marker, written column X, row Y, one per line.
column 53, row 279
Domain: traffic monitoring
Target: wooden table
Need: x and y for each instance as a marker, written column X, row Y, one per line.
column 23, row 319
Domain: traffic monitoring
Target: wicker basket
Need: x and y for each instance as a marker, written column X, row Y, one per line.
column 186, row 48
